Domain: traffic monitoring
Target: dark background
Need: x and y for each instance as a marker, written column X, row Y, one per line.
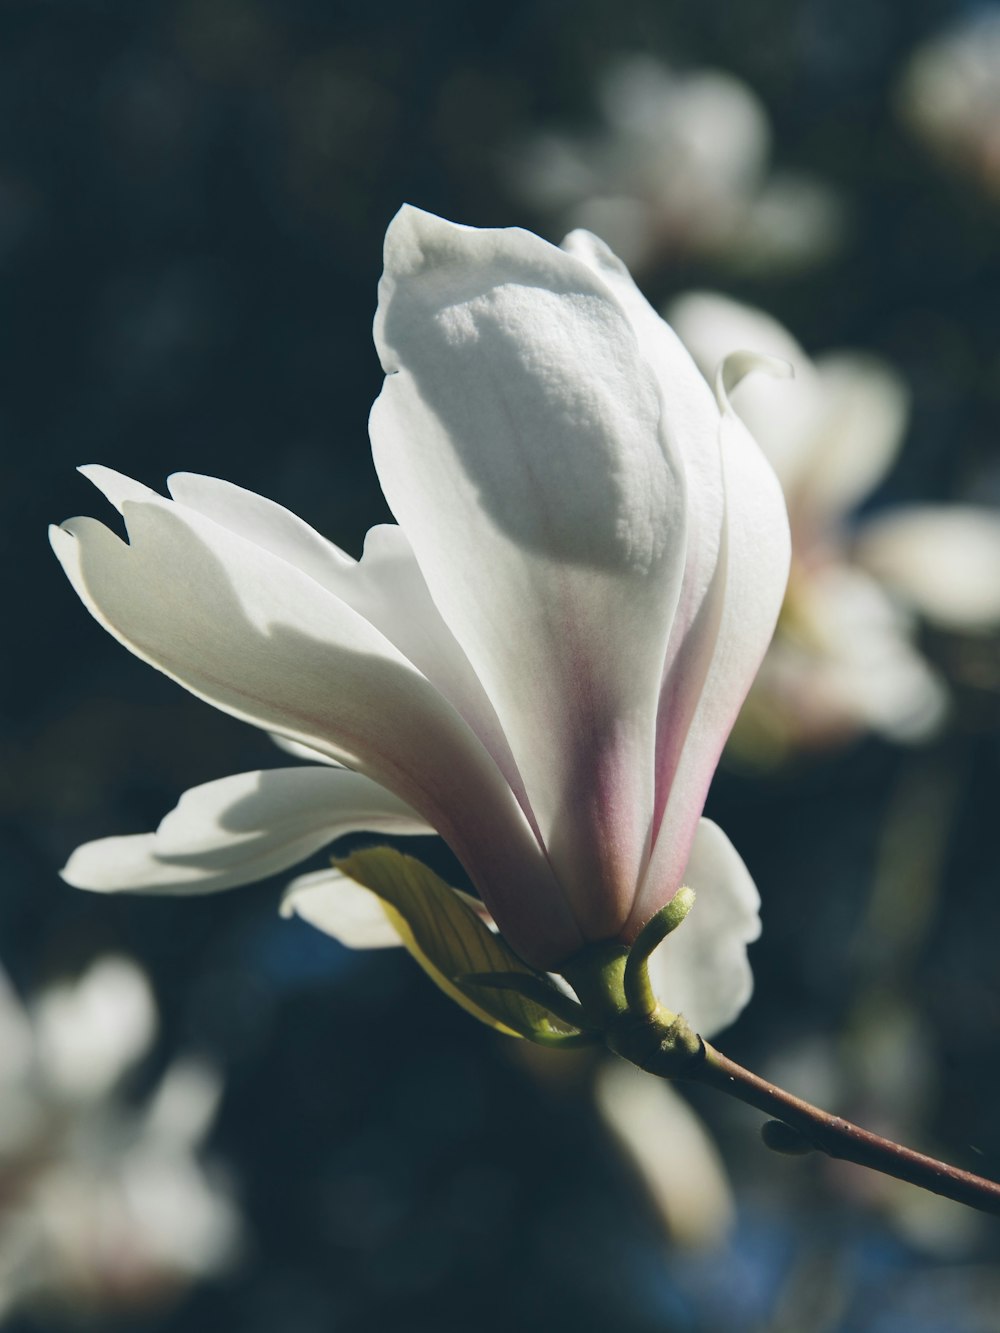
column 192, row 203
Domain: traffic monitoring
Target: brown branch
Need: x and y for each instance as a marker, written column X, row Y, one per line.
column 837, row 1137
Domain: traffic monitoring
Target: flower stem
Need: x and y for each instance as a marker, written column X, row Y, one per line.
column 835, row 1136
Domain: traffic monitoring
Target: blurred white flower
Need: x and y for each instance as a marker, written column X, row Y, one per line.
column 843, row 659
column 680, row 166
column 671, row 1152
column 949, row 95
column 103, row 1204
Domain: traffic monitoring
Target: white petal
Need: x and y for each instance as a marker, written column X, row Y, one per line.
column 352, row 914
column 734, row 578
column 831, row 435
column 184, row 1106
column 241, row 829
column 865, row 411
column 341, row 907
column 702, row 970
column 300, row 751
column 843, row 661
column 90, row 1032
column 248, row 631
column 779, row 416
column 670, row 1149
column 520, row 440
column 712, row 668
column 15, row 1040
column 386, row 587
column 943, row 560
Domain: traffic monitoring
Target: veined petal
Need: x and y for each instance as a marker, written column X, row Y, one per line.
column 702, row 970
column 254, row 635
column 240, row 829
column 342, row 908
column 521, row 443
column 944, row 560
column 711, row 669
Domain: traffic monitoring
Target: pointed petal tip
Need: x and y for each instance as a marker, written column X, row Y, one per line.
column 115, row 486
column 738, row 365
column 58, row 535
column 410, row 233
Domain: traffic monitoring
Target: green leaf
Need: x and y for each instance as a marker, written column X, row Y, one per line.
column 443, row 931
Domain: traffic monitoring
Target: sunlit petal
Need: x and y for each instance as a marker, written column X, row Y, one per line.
column 523, row 444
column 241, row 829
column 251, row 633
column 339, row 906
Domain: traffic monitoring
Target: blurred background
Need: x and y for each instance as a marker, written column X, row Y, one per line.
column 285, row 1135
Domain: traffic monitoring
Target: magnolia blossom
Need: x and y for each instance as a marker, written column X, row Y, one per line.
column 844, row 658
column 949, row 94
column 680, row 166
column 103, row 1204
column 540, row 663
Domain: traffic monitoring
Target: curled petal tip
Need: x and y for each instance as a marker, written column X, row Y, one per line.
column 738, row 365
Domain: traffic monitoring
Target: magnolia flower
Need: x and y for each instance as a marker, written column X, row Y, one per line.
column 103, row 1204
column 541, row 662
column 680, row 167
column 844, row 658
column 949, row 94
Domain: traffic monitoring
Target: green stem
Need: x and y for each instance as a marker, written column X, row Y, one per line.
column 832, row 1134
column 638, row 988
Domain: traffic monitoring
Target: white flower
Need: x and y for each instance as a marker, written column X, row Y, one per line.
column 679, row 167
column 949, row 94
column 843, row 659
column 103, row 1204
column 541, row 663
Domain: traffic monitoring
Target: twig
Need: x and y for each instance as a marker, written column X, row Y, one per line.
column 835, row 1136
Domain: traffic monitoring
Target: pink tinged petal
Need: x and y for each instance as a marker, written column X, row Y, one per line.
column 695, row 421
column 702, row 970
column 944, row 560
column 342, row 908
column 241, row 829
column 386, row 587
column 249, row 632
column 522, row 444
column 710, row 669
